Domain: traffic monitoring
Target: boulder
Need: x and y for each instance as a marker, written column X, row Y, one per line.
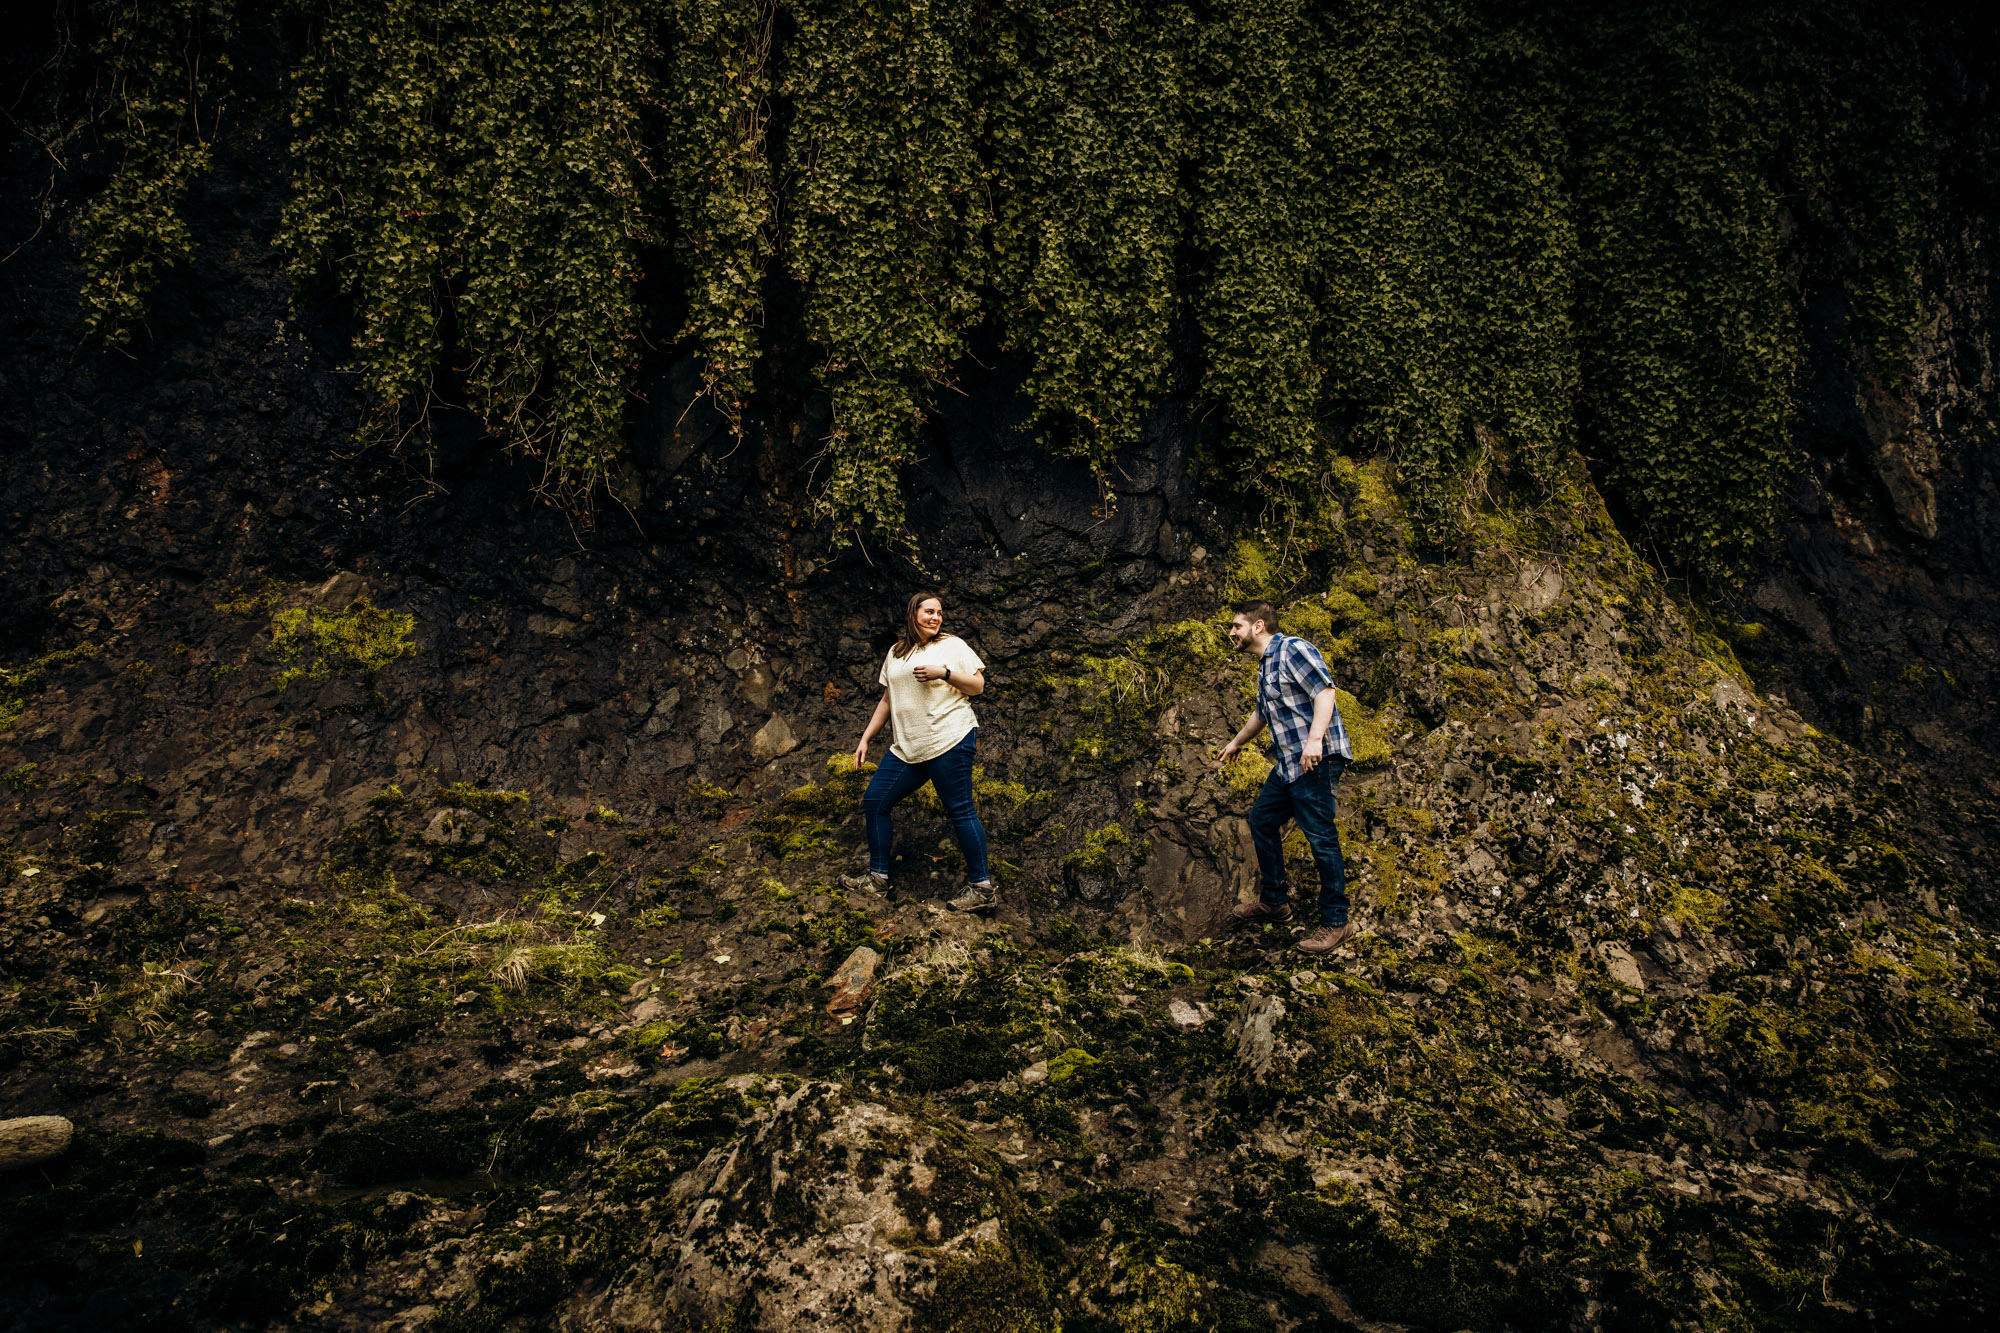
column 32, row 1140
column 826, row 1211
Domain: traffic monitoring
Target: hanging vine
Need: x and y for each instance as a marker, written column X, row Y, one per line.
column 887, row 199
column 1475, row 236
column 719, row 174
column 1259, row 217
column 165, row 69
column 1085, row 126
column 472, row 174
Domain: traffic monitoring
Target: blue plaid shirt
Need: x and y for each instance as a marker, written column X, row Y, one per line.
column 1289, row 675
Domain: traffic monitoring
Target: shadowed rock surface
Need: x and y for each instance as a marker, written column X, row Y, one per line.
column 430, row 914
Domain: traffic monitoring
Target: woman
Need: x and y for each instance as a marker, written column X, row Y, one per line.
column 926, row 680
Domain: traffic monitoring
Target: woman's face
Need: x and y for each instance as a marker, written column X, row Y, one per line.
column 930, row 616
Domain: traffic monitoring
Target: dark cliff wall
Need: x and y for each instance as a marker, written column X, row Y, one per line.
column 1677, row 989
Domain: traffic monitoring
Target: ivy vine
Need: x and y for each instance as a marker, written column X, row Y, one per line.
column 718, row 170
column 887, row 201
column 474, row 176
column 166, row 70
column 1489, row 240
column 1082, row 119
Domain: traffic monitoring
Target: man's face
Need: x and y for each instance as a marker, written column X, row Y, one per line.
column 1241, row 630
column 930, row 616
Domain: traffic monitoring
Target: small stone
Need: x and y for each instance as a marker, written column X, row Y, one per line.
column 853, row 984
column 773, row 740
column 737, row 659
column 1035, row 1073
column 32, row 1140
column 455, row 828
column 1624, row 969
column 1187, row 1017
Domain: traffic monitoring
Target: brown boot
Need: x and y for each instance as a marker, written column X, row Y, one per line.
column 1256, row 914
column 1327, row 938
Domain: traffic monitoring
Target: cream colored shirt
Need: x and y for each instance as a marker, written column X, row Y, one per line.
column 929, row 717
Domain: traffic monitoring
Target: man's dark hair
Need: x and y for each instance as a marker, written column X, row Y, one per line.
column 1256, row 611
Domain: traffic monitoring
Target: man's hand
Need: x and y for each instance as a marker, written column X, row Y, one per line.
column 1315, row 750
column 1229, row 752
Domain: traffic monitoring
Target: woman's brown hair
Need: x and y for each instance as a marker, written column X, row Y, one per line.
column 907, row 642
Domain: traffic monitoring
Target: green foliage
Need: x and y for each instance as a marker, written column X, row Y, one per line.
column 358, row 641
column 1690, row 128
column 1479, row 239
column 1094, row 857
column 886, row 209
column 166, row 74
column 497, row 803
column 471, row 173
column 719, row 177
column 1082, row 110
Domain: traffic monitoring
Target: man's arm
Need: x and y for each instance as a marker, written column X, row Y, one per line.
column 1316, row 735
column 1242, row 738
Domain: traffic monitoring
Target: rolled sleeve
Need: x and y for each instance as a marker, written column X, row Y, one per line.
column 1307, row 668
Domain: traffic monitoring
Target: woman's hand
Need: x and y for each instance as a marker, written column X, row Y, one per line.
column 925, row 671
column 861, row 752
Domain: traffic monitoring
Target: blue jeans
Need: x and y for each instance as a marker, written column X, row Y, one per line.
column 950, row 775
column 1310, row 801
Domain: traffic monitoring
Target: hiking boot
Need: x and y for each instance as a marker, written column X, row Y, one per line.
column 867, row 879
column 1327, row 938
column 1257, row 914
column 976, row 898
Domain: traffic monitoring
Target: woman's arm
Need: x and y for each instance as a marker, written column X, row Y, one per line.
column 874, row 725
column 968, row 683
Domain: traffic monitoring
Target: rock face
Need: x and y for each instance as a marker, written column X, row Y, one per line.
column 827, row 1211
column 500, row 982
column 32, row 1140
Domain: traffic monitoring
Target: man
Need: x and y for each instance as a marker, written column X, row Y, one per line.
column 1295, row 700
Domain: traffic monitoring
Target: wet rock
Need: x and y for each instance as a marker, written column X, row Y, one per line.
column 1891, row 424
column 1624, row 969
column 824, row 1212
column 455, row 828
column 32, row 1140
column 773, row 740
column 1537, row 587
column 1257, row 1034
column 853, row 984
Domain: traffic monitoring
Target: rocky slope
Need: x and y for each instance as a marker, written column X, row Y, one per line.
column 430, row 916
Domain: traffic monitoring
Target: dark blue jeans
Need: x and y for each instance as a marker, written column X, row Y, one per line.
column 950, row 775
column 1309, row 801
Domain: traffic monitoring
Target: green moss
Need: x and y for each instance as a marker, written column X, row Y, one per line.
column 1094, row 857
column 990, row 1289
column 1066, row 1066
column 359, row 642
column 21, row 682
column 1365, row 735
column 1251, row 572
column 252, row 601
